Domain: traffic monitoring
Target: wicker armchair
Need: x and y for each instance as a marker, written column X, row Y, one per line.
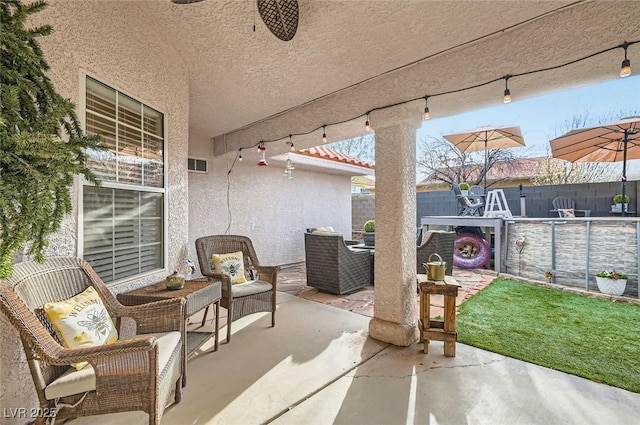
column 137, row 372
column 333, row 267
column 436, row 241
column 240, row 299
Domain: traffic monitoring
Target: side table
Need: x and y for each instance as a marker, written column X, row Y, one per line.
column 438, row 330
column 199, row 294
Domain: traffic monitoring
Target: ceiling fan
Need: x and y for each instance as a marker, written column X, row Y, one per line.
column 280, row 16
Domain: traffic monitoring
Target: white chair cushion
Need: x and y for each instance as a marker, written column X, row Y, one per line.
column 79, row 381
column 250, row 288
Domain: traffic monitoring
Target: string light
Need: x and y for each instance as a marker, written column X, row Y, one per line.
column 290, row 142
column 426, row 114
column 507, row 93
column 625, row 69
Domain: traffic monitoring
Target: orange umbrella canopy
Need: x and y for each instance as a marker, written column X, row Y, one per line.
column 613, row 142
column 486, row 138
column 604, row 143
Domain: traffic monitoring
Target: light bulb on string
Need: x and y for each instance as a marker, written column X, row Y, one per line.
column 507, row 93
column 426, row 114
column 240, row 155
column 367, row 124
column 625, row 69
column 324, row 134
column 292, row 148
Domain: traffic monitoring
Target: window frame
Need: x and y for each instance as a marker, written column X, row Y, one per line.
column 206, row 163
column 82, row 108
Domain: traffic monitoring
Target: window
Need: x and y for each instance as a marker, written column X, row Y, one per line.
column 197, row 165
column 123, row 220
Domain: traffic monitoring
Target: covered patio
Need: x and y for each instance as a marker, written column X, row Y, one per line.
column 218, row 88
column 318, row 366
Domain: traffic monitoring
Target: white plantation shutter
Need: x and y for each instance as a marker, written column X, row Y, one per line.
column 123, row 221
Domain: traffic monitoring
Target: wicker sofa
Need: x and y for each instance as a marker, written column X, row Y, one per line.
column 334, row 267
column 436, row 241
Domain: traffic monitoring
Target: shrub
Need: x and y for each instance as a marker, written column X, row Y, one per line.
column 618, row 199
column 370, row 226
column 464, row 186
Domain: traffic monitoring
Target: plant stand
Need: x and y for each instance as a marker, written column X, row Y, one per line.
column 611, row 286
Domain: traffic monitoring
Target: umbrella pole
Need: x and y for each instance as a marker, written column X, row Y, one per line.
column 486, row 157
column 624, row 169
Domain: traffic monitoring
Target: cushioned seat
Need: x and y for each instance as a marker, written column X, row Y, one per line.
column 80, row 381
column 46, row 301
column 334, row 267
column 247, row 297
column 250, row 287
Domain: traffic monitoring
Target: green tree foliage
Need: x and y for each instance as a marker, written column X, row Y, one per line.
column 42, row 145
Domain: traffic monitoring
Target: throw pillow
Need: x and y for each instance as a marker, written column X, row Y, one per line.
column 82, row 321
column 231, row 264
column 566, row 212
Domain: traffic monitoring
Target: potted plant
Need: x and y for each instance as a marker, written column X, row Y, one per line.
column 464, row 188
column 617, row 201
column 611, row 282
column 369, row 235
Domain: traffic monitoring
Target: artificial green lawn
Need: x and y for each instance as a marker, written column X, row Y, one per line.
column 595, row 339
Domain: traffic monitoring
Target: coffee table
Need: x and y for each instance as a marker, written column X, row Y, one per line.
column 199, row 294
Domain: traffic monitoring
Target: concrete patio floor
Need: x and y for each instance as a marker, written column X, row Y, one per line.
column 318, row 366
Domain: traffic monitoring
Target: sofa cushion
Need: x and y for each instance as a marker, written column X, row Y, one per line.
column 75, row 381
column 250, row 288
column 82, row 321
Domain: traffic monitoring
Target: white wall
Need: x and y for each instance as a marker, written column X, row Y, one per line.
column 272, row 210
column 98, row 39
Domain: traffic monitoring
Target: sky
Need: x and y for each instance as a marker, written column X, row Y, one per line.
column 541, row 118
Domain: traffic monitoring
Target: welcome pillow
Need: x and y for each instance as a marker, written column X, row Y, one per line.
column 231, row 264
column 82, row 321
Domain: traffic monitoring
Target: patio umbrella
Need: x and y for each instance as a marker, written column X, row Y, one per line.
column 613, row 142
column 486, row 138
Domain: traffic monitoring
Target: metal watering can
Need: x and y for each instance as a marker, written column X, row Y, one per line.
column 435, row 270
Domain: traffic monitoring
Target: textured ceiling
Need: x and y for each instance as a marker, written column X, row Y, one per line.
column 351, row 56
column 239, row 76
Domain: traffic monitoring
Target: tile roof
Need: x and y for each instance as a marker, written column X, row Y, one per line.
column 331, row 155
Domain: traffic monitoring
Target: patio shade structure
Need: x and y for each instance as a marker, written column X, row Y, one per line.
column 486, row 138
column 613, row 142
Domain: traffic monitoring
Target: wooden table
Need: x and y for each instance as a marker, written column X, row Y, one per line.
column 199, row 294
column 438, row 330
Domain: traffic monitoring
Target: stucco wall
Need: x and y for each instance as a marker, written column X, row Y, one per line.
column 98, row 39
column 272, row 210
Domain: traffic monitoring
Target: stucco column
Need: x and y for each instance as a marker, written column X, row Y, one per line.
column 394, row 312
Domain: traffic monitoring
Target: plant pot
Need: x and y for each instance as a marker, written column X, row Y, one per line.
column 611, row 286
column 618, row 208
column 464, row 192
column 369, row 238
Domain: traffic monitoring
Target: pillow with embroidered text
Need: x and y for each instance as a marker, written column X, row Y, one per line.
column 82, row 321
column 231, row 264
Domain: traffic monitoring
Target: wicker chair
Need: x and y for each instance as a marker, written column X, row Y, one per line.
column 436, row 241
column 241, row 299
column 134, row 373
column 333, row 267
